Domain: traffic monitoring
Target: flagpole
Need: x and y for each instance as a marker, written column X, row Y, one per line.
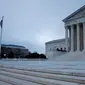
column 1, row 34
column 0, row 42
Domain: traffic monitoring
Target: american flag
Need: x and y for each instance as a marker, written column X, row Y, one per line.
column 1, row 22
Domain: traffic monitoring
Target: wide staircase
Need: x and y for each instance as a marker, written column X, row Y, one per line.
column 20, row 76
column 72, row 56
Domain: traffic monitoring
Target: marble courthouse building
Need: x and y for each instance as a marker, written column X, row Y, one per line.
column 74, row 33
column 75, row 27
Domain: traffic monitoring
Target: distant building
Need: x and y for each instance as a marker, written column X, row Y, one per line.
column 18, row 51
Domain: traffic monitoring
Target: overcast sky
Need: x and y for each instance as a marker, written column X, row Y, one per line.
column 31, row 23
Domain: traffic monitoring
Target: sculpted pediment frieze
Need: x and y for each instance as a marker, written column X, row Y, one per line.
column 78, row 15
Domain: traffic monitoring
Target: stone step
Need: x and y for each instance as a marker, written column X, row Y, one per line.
column 6, row 80
column 4, row 83
column 38, row 80
column 65, row 66
column 51, row 71
column 47, row 75
column 58, row 72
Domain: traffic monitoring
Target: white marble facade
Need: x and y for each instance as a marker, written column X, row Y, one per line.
column 74, row 35
column 75, row 30
column 52, row 46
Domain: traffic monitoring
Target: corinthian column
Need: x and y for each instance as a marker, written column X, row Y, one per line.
column 78, row 41
column 72, row 38
column 84, row 35
column 66, row 38
column 69, row 39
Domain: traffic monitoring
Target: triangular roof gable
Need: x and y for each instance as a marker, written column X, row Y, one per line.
column 74, row 13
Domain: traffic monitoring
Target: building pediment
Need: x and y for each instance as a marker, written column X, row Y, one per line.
column 75, row 15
